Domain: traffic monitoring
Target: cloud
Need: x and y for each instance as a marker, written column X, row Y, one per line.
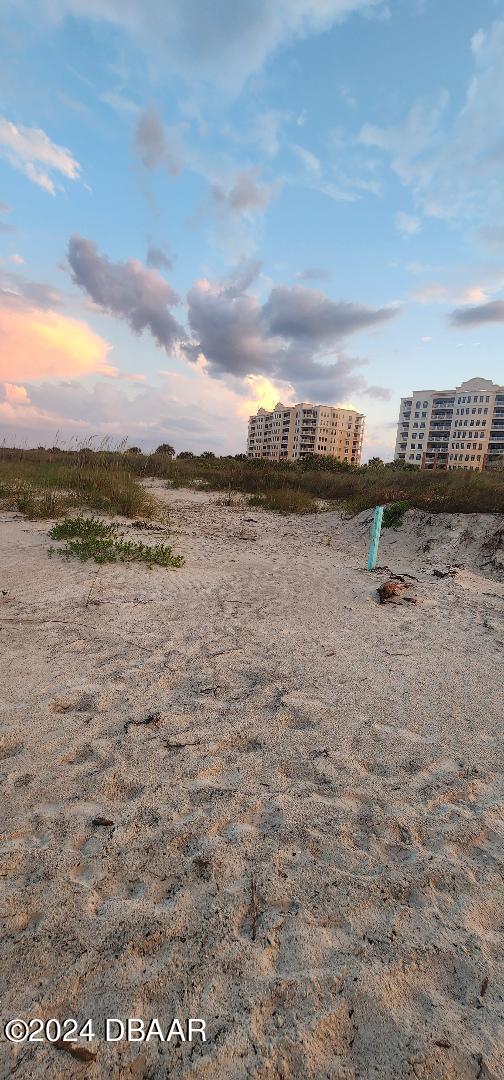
column 263, row 131
column 487, row 282
column 492, row 312
column 406, row 224
column 156, row 145
column 31, row 151
column 296, row 336
column 287, row 338
column 380, row 393
column 246, row 194
column 157, row 260
column 347, row 96
column 310, row 161
column 19, row 292
column 141, row 297
column 40, row 344
column 308, row 315
column 189, row 410
column 314, row 273
column 452, row 158
column 5, row 226
column 120, row 103
column 187, row 39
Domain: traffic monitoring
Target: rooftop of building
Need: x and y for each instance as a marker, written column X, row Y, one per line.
column 476, row 385
column 306, row 405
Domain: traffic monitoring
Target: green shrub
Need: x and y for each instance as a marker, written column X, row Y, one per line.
column 90, row 538
column 393, row 515
column 85, row 528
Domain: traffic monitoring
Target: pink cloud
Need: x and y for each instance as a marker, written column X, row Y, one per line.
column 38, row 344
column 191, row 411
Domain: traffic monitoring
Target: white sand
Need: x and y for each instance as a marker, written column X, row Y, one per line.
column 306, row 843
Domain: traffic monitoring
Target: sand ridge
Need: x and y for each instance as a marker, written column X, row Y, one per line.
column 306, row 837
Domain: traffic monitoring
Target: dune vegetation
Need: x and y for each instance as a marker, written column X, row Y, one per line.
column 44, row 483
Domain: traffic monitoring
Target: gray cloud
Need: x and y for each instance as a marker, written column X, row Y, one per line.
column 246, row 194
column 307, row 315
column 126, row 289
column 289, row 337
column 156, row 145
column 381, row 393
column 243, row 277
column 297, row 335
column 157, row 259
column 493, row 312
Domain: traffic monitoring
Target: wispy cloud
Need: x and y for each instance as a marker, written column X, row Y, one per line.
column 407, row 224
column 32, row 152
column 195, row 41
column 454, row 165
column 314, row 273
column 6, row 226
column 310, row 161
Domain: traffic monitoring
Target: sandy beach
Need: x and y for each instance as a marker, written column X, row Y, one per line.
column 302, row 788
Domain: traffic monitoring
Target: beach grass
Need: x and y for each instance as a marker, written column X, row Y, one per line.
column 45, row 486
column 47, row 483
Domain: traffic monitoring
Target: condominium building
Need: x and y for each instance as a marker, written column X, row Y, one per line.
column 452, row 429
column 294, row 432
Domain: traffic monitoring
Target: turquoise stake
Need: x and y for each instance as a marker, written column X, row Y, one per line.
column 375, row 537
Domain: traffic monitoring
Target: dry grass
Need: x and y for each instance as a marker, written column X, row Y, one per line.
column 285, row 501
column 41, row 485
column 354, row 488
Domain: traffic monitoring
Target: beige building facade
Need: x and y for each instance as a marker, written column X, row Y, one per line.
column 452, row 429
column 295, row 432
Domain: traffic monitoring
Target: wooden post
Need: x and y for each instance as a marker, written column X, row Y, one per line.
column 375, row 537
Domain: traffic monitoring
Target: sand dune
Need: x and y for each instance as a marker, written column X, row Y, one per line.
column 303, row 786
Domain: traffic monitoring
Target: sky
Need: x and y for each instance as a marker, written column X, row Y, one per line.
column 210, row 207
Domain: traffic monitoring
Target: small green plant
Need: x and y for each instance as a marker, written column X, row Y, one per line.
column 91, row 538
column 84, row 528
column 393, row 515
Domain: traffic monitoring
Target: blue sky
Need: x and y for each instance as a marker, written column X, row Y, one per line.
column 207, row 207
